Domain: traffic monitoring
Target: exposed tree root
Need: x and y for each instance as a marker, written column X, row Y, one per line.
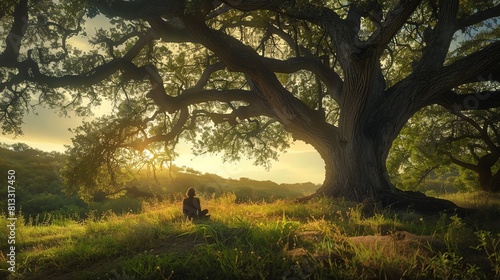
column 421, row 203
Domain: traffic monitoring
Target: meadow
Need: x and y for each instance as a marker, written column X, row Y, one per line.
column 281, row 239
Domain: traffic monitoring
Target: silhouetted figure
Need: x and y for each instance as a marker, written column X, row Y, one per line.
column 191, row 206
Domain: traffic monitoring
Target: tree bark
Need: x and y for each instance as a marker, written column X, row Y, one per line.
column 495, row 182
column 356, row 171
column 488, row 181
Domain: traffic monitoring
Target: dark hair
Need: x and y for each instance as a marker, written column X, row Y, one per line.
column 190, row 192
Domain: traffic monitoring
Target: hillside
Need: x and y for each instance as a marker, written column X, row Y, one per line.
column 40, row 191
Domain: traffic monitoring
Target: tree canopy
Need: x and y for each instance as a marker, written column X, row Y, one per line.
column 248, row 77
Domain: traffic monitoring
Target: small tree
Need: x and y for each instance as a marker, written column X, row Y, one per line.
column 437, row 138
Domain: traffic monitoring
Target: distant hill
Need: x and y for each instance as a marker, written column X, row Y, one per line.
column 38, row 186
column 180, row 179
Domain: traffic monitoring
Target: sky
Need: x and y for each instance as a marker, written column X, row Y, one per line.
column 48, row 131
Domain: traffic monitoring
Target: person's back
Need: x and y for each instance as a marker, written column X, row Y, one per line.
column 191, row 206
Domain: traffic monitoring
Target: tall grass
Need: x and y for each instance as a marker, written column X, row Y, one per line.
column 320, row 239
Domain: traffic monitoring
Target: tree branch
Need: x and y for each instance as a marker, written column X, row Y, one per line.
column 292, row 43
column 478, row 17
column 462, row 163
column 174, row 132
column 110, row 44
column 338, row 28
column 171, row 30
column 331, row 79
column 65, row 33
column 492, row 74
column 193, row 95
column 394, row 20
column 483, row 132
column 464, row 70
column 205, row 76
column 241, row 113
column 469, row 102
column 473, row 152
column 8, row 58
column 438, row 39
column 242, row 58
column 29, row 70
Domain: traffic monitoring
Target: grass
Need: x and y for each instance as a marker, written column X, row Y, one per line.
column 477, row 199
column 321, row 239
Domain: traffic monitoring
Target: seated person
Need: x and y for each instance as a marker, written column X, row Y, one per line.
column 191, row 206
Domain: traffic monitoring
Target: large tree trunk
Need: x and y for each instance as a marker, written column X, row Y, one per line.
column 356, row 171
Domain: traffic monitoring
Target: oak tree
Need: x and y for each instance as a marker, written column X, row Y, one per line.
column 248, row 77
